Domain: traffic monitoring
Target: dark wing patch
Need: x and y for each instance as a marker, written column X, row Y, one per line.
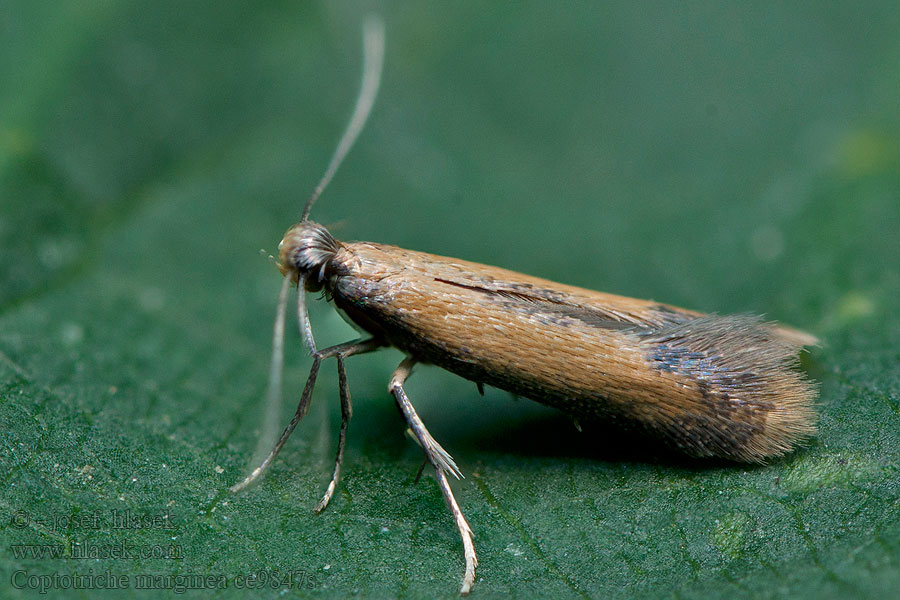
column 552, row 306
column 755, row 403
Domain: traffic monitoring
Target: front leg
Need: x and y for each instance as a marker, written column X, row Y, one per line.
column 341, row 351
column 443, row 464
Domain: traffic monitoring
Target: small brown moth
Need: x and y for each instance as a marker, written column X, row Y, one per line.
column 710, row 386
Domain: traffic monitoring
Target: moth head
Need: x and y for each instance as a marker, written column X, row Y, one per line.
column 307, row 249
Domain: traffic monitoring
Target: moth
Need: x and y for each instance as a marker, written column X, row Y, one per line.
column 709, row 386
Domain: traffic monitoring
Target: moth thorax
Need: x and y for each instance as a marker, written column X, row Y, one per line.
column 306, row 249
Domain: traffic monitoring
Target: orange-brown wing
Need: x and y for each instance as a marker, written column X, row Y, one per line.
column 714, row 386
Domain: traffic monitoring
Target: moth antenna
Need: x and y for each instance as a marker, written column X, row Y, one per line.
column 303, row 316
column 373, row 59
column 276, row 368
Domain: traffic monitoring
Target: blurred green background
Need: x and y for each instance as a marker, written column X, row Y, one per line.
column 727, row 157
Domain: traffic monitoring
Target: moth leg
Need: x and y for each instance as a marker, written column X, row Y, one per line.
column 442, row 463
column 346, row 349
column 421, row 469
column 346, row 413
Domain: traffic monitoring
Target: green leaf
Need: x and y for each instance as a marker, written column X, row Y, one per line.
column 726, row 158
